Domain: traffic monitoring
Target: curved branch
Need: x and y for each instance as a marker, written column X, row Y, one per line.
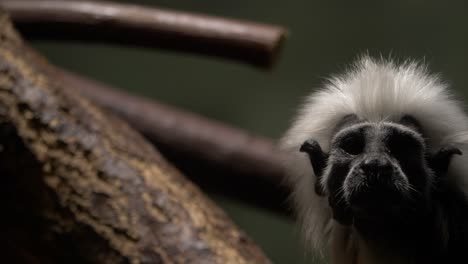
column 253, row 43
column 248, row 167
column 191, row 134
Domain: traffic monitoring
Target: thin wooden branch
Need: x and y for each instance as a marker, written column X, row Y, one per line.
column 81, row 186
column 254, row 43
column 188, row 132
column 248, row 166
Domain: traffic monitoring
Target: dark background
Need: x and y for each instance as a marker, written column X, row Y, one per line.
column 324, row 37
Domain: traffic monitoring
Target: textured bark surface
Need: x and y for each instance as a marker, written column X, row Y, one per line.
column 79, row 186
column 241, row 165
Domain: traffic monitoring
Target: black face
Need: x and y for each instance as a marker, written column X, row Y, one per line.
column 377, row 172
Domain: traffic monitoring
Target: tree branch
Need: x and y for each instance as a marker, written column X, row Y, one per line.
column 250, row 166
column 81, row 186
column 253, row 43
column 247, row 167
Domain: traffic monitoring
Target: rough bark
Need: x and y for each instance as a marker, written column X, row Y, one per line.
column 242, row 165
column 80, row 186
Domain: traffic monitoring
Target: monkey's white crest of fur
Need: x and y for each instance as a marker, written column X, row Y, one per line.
column 375, row 90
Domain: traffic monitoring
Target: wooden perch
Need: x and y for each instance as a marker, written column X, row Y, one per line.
column 80, row 186
column 254, row 43
column 250, row 165
column 247, row 166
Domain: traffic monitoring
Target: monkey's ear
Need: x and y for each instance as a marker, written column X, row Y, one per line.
column 318, row 159
column 440, row 161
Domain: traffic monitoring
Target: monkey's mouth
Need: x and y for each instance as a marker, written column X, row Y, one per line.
column 376, row 202
column 375, row 199
column 369, row 203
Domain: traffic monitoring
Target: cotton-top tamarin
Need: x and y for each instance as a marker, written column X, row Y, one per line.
column 375, row 161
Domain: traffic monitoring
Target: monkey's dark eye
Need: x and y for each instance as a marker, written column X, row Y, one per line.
column 352, row 144
column 402, row 145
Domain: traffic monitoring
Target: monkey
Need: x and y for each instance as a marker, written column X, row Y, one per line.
column 375, row 161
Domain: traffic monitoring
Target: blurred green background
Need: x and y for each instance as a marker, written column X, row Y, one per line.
column 324, row 37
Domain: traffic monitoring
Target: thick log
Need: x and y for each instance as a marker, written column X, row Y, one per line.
column 80, row 186
column 254, row 43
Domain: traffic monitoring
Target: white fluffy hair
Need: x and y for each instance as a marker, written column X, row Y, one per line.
column 375, row 90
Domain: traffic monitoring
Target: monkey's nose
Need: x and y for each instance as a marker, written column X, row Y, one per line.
column 378, row 171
